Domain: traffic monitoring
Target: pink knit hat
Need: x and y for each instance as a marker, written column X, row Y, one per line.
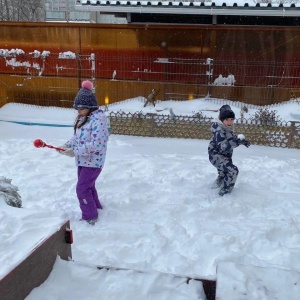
column 87, row 85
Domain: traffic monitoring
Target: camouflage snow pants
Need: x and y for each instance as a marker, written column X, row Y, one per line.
column 227, row 173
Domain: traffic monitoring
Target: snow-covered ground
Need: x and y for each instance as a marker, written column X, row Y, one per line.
column 160, row 214
column 287, row 111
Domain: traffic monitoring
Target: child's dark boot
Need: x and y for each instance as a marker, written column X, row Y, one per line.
column 218, row 182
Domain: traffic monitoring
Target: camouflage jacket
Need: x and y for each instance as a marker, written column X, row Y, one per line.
column 223, row 141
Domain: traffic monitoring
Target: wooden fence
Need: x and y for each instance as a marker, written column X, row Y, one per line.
column 273, row 133
column 44, row 63
column 36, row 267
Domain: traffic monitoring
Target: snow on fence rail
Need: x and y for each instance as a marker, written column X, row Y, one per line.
column 273, row 133
column 218, row 101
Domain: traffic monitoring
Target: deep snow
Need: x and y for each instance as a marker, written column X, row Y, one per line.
column 159, row 215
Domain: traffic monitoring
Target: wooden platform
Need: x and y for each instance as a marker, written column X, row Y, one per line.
column 35, row 269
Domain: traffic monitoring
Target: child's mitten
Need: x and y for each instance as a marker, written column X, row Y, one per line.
column 246, row 143
column 67, row 151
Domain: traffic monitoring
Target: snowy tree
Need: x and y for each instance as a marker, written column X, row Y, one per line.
column 20, row 10
column 9, row 192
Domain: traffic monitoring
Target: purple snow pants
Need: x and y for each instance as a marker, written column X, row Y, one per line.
column 87, row 193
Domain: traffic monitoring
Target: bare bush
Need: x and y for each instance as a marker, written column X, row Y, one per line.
column 264, row 116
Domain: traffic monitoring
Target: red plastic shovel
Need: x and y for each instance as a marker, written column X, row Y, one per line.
column 40, row 144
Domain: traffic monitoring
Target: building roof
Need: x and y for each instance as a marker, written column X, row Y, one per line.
column 278, row 8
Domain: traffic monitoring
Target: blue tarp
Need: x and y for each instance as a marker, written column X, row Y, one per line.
column 38, row 124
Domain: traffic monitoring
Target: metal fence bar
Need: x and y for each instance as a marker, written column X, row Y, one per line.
column 174, row 69
column 210, row 78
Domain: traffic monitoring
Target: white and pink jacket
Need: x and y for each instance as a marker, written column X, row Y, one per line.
column 90, row 141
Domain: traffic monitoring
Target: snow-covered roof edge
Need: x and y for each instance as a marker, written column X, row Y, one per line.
column 217, row 7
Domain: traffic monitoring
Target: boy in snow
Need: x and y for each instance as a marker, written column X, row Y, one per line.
column 88, row 145
column 221, row 147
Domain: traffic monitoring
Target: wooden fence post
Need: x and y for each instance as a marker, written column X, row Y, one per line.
column 291, row 135
column 153, row 124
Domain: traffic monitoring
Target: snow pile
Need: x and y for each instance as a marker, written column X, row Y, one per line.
column 240, row 282
column 160, row 214
column 91, row 283
column 9, row 192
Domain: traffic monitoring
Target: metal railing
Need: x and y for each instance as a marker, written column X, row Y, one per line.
column 246, row 81
column 152, row 68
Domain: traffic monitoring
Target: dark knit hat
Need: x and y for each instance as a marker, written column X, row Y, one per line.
column 225, row 107
column 226, row 114
column 85, row 97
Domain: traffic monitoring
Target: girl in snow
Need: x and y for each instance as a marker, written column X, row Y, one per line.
column 88, row 145
column 221, row 147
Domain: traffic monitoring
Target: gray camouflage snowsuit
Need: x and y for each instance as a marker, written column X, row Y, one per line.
column 220, row 152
